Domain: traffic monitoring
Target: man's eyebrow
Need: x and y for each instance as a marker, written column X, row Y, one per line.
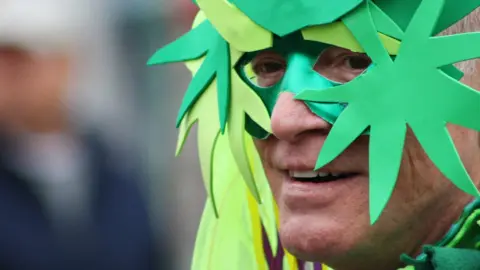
column 338, row 34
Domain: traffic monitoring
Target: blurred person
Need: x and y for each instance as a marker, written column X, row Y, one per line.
column 66, row 201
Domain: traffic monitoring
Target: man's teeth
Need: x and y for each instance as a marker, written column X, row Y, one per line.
column 303, row 174
column 311, row 174
column 318, row 177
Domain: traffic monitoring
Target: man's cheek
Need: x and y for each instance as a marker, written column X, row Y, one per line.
column 275, row 182
column 274, row 177
column 262, row 150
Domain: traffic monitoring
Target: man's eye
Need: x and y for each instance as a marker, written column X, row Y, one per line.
column 341, row 65
column 265, row 69
column 268, row 68
column 358, row 62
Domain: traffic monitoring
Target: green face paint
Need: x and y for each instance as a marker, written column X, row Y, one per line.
column 300, row 65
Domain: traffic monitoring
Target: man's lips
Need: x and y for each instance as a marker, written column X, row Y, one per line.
column 286, row 161
column 303, row 187
column 318, row 176
column 301, row 194
column 308, row 174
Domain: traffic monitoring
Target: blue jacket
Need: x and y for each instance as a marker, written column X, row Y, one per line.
column 119, row 237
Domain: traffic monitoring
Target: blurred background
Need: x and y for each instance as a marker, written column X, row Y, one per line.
column 88, row 177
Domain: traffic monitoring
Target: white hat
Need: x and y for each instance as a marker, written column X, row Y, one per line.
column 40, row 25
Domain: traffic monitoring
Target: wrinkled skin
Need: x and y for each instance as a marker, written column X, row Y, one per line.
column 330, row 222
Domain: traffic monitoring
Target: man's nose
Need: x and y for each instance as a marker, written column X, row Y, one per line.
column 291, row 119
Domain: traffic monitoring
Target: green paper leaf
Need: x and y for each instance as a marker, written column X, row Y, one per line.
column 244, row 102
column 184, row 130
column 384, row 23
column 207, row 140
column 197, row 86
column 414, row 90
column 402, row 11
column 454, row 11
column 387, row 26
column 283, row 17
column 361, row 24
column 346, row 129
column 384, row 165
column 453, row 72
column 338, row 34
column 202, row 40
column 467, row 41
column 182, row 50
column 470, row 105
column 266, row 206
column 439, row 146
column 422, row 24
column 214, row 76
column 216, row 63
column 223, row 82
column 208, row 102
column 206, row 114
column 235, row 27
column 222, row 241
column 237, row 144
column 247, row 101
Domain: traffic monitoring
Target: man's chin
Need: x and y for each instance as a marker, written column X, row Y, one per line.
column 314, row 240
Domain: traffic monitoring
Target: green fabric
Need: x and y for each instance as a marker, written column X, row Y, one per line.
column 440, row 258
column 458, row 250
column 465, row 222
column 301, row 56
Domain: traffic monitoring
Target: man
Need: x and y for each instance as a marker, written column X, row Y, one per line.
column 344, row 79
column 66, row 201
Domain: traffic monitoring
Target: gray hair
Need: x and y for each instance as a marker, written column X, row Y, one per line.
column 470, row 23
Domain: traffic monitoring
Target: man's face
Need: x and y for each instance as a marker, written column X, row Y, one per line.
column 31, row 87
column 327, row 219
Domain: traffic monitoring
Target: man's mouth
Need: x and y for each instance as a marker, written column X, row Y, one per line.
column 318, row 177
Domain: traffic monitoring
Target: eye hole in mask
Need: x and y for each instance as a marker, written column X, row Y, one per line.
column 267, row 68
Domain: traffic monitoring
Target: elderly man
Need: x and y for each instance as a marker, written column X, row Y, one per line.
column 366, row 131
